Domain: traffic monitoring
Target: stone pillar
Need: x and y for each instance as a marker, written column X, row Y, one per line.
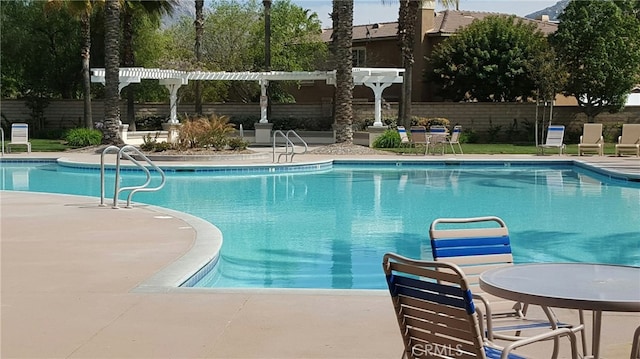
column 263, row 133
column 123, row 129
column 173, row 130
column 375, row 132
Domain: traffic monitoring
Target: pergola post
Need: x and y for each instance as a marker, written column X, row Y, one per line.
column 264, row 100
column 377, row 88
column 173, row 85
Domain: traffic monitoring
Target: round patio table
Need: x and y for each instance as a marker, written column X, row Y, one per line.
column 584, row 286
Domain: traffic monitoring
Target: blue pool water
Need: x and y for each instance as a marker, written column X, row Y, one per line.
column 329, row 229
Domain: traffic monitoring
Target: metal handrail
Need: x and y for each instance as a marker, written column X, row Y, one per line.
column 102, row 184
column 295, row 134
column 122, row 153
column 288, row 145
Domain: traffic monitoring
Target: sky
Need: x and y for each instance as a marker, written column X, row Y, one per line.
column 372, row 11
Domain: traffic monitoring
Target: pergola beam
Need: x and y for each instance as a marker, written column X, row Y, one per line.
column 378, row 79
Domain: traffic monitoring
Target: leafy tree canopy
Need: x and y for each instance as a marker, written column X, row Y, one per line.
column 234, row 41
column 489, row 61
column 40, row 51
column 599, row 41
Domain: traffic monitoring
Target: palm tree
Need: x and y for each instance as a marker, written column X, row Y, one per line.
column 342, row 17
column 111, row 135
column 82, row 10
column 407, row 16
column 132, row 8
column 199, row 25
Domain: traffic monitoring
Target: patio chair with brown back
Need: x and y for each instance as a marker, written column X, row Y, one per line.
column 629, row 141
column 436, row 313
column 591, row 139
column 438, row 138
column 419, row 137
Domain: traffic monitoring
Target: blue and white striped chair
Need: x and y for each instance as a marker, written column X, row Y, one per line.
column 478, row 244
column 436, row 314
column 555, row 139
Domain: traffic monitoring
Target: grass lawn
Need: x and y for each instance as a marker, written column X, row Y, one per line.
column 40, row 145
column 504, row 148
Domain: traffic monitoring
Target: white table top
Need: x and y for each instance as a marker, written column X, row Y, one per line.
column 567, row 285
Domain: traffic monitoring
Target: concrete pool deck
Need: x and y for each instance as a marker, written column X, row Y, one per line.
column 74, row 284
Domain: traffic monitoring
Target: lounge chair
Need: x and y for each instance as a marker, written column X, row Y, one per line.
column 476, row 245
column 19, row 136
column 555, row 139
column 629, row 142
column 436, row 313
column 591, row 139
column 437, row 138
column 419, row 137
column 404, row 138
column 454, row 139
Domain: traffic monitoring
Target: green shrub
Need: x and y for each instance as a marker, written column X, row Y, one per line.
column 151, row 144
column 82, row 137
column 238, row 144
column 388, row 139
column 204, row 132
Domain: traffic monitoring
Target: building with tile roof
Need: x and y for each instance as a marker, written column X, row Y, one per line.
column 376, row 45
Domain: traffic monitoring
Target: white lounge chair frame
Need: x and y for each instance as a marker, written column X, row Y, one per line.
column 19, row 136
column 591, row 140
column 454, row 139
column 555, row 139
column 629, row 141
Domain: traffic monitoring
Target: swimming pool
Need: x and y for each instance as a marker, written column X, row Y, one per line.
column 328, row 228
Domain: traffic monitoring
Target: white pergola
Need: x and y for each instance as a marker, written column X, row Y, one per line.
column 377, row 79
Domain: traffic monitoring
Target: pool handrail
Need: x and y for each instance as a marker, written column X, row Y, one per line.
column 122, row 153
column 289, row 145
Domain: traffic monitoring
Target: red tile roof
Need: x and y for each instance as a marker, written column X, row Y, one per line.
column 446, row 23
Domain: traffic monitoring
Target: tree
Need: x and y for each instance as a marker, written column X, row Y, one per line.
column 235, row 41
column 111, row 136
column 39, row 53
column 489, row 61
column 407, row 17
column 342, row 17
column 599, row 42
column 82, row 10
column 199, row 27
column 132, row 10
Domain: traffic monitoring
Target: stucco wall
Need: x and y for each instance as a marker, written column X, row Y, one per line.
column 480, row 117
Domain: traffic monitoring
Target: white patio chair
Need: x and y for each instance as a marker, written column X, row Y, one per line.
column 19, row 136
column 555, row 139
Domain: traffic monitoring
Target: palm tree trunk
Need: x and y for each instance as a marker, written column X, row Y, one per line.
column 199, row 25
column 342, row 39
column 112, row 73
column 128, row 60
column 407, row 16
column 86, row 68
